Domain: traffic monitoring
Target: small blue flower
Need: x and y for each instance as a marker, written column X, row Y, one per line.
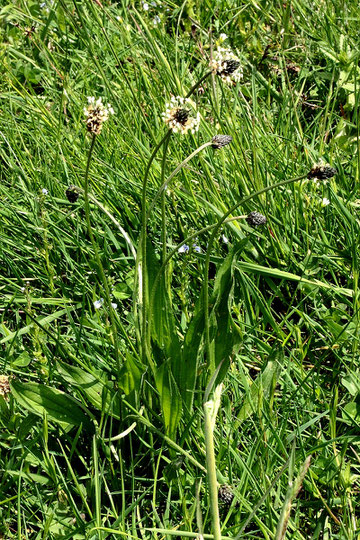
column 98, row 303
column 196, row 248
column 44, row 191
column 183, row 249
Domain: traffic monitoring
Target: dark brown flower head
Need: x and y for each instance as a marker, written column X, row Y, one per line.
column 72, row 193
column 221, row 140
column 225, row 494
column 322, row 171
column 230, row 66
column 181, row 116
column 226, row 65
column 254, row 219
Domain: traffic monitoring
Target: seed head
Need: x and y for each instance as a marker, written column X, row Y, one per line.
column 227, row 65
column 225, row 494
column 96, row 114
column 221, row 140
column 4, row 386
column 72, row 193
column 322, row 171
column 255, row 219
column 178, row 115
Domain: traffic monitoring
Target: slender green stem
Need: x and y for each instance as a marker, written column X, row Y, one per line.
column 174, row 173
column 196, row 85
column 143, row 236
column 163, row 202
column 210, row 359
column 175, row 250
column 49, row 266
column 211, row 469
column 211, row 409
column 292, row 493
column 100, row 268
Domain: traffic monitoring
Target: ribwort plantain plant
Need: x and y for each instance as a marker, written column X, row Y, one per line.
column 96, row 114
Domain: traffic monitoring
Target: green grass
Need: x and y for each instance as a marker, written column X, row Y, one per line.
column 103, row 432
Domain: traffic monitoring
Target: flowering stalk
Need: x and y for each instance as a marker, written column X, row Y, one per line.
column 49, row 267
column 163, row 203
column 175, row 171
column 96, row 251
column 210, row 359
column 210, row 411
column 177, row 250
column 143, row 238
column 292, row 493
column 142, row 288
column 196, row 85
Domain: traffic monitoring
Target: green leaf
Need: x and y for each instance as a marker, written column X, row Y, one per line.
column 60, row 407
column 221, row 320
column 97, row 390
column 258, row 391
column 190, row 356
column 22, row 360
column 130, row 378
column 351, row 411
column 281, row 274
column 352, row 382
column 170, row 399
column 162, row 324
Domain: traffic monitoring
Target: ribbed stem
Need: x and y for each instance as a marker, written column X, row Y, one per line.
column 175, row 171
column 143, row 238
column 163, row 203
column 210, row 359
column 211, row 469
column 100, row 268
column 196, row 85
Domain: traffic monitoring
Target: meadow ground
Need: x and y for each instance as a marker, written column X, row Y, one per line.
column 135, row 276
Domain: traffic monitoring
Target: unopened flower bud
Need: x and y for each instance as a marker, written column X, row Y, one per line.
column 221, row 140
column 254, row 219
column 72, row 193
column 225, row 494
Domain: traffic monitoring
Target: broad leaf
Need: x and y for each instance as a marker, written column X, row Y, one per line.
column 170, row 399
column 100, row 393
column 130, row 378
column 258, row 390
column 162, row 323
column 60, row 407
